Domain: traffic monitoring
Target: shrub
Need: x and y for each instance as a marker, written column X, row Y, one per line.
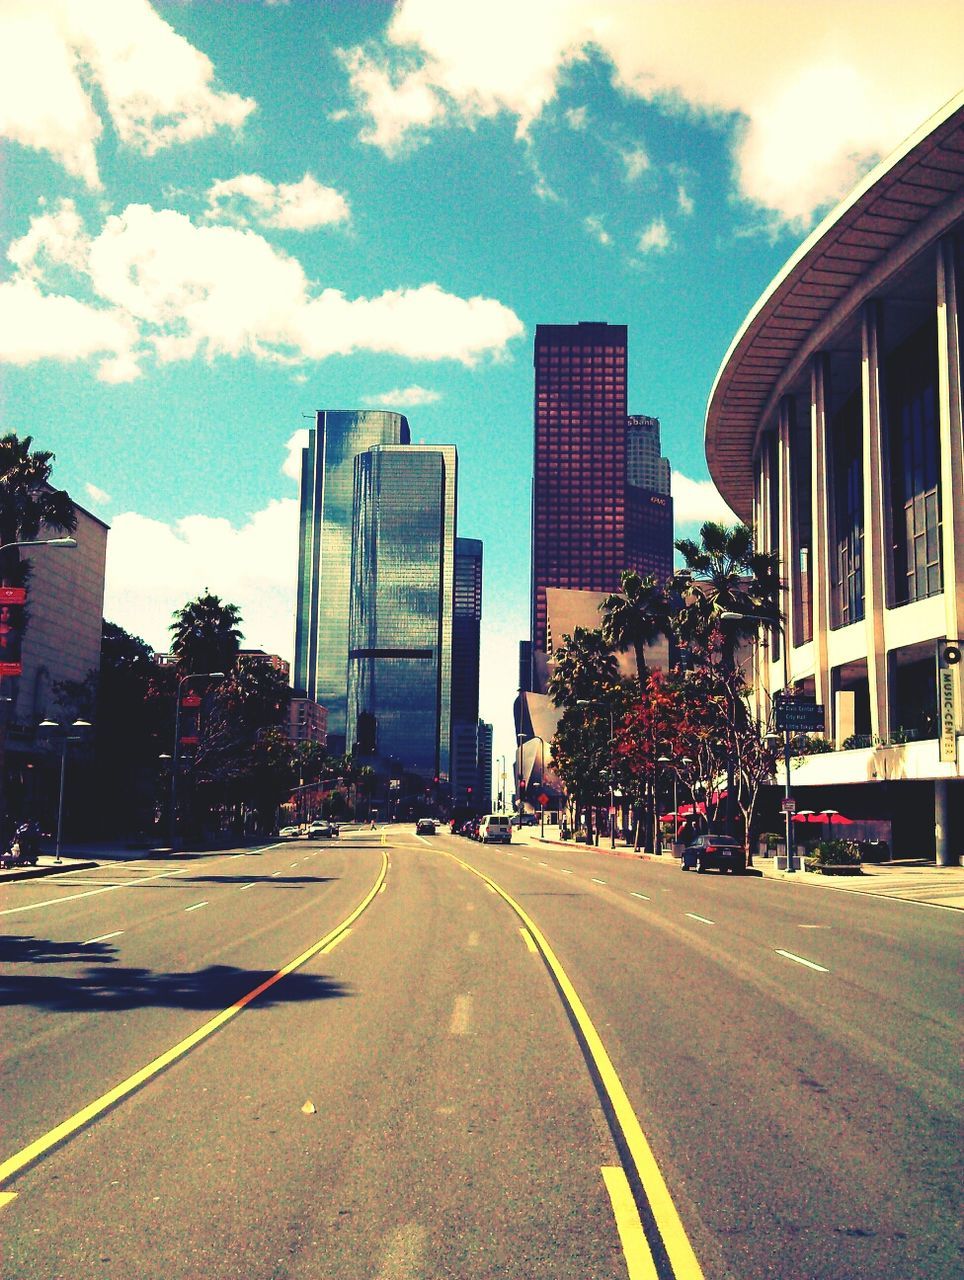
column 835, row 853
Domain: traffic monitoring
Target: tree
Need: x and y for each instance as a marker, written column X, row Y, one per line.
column 726, row 575
column 205, row 635
column 635, row 616
column 584, row 669
column 28, row 504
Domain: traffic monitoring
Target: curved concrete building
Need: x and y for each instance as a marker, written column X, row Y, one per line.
column 834, row 428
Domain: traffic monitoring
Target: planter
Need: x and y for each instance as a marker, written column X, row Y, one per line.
column 798, row 862
column 838, row 869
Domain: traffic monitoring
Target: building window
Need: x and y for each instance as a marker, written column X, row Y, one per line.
column 848, row 505
column 801, row 505
column 915, row 469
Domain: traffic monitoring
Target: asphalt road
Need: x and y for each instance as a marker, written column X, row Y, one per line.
column 569, row 1065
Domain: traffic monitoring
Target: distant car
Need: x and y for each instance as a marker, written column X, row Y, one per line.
column 321, row 830
column 425, row 827
column 720, row 852
column 289, row 833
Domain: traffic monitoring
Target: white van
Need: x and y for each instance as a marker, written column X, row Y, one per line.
column 495, row 829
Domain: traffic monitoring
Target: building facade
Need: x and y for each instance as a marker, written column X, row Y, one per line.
column 466, row 646
column 400, row 608
column 579, row 466
column 835, row 428
column 649, row 501
column 325, row 550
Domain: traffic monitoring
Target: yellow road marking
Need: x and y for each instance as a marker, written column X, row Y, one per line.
column 67, row 1128
column 639, row 1258
column 675, row 1240
column 528, row 940
column 6, row 1197
column 341, row 937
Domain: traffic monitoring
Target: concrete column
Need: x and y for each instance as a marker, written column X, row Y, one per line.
column 876, row 522
column 943, row 850
column 785, row 532
column 821, row 574
column 952, row 444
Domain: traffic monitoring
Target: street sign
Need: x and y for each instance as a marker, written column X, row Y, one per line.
column 788, row 805
column 543, row 799
column 799, row 715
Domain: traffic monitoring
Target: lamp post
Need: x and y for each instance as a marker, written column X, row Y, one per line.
column 595, row 702
column 65, row 738
column 520, row 738
column 197, row 675
column 732, row 616
column 502, row 786
column 542, row 783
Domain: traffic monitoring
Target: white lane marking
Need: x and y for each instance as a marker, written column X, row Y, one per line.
column 813, row 926
column 294, row 864
column 800, row 960
column 197, row 906
column 103, row 937
column 250, row 885
column 565, row 871
column 702, row 919
column 543, row 864
column 276, row 873
column 595, row 881
column 633, row 894
column 92, row 893
column 526, row 858
column 461, row 1016
column 473, row 939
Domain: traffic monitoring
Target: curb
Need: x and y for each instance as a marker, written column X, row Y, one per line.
column 53, row 869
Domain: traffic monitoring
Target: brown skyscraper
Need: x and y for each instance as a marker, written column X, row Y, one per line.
column 579, row 493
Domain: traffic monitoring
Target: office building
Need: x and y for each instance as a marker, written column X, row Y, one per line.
column 646, row 468
column 579, row 469
column 484, row 791
column 325, row 546
column 834, row 428
column 400, row 608
column 466, row 637
column 649, row 503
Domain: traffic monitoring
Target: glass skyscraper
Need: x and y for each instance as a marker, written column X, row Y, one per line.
column 466, row 635
column 325, row 542
column 401, row 607
column 579, row 490
column 649, row 504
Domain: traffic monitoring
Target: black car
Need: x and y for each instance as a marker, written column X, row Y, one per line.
column 710, row 851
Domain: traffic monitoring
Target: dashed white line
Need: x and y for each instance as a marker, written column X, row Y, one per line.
column 249, row 885
column 800, row 960
column 104, row 936
column 595, row 881
column 461, row 1016
column 197, row 906
column 276, row 873
column 702, row 919
column 565, row 871
column 543, row 864
column 473, row 939
column 633, row 894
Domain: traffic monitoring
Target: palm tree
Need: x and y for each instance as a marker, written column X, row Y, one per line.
column 28, row 504
column 635, row 616
column 205, row 635
column 584, row 669
column 726, row 576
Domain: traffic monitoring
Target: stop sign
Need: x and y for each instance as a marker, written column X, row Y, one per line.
column 543, row 799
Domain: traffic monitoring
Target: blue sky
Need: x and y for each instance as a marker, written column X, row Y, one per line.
column 219, row 217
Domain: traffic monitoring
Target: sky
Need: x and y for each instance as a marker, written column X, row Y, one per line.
column 218, row 216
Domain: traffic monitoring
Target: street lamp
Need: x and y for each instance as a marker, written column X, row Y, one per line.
column 595, row 702
column 197, row 675
column 542, row 783
column 65, row 737
column 520, row 738
column 502, row 786
column 732, row 616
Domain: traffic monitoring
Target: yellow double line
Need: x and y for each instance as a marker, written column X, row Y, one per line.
column 675, row 1241
column 67, row 1128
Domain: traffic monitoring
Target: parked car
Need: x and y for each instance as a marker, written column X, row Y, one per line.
column 722, row 852
column 289, row 833
column 495, row 828
column 425, row 827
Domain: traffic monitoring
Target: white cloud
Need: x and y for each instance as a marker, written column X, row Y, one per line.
column 290, row 206
column 96, row 495
column 164, row 286
column 684, row 200
column 404, row 397
column 577, row 118
column 254, row 567
column 156, row 87
column 594, row 225
column 696, row 501
column 636, row 162
column 814, row 97
column 292, row 463
column 655, row 238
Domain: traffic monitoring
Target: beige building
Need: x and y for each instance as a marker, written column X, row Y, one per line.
column 834, row 428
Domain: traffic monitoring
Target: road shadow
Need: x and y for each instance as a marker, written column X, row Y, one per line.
column 107, row 988
column 22, row 949
column 255, row 877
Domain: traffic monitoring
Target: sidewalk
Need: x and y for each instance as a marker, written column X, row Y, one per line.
column 911, row 879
